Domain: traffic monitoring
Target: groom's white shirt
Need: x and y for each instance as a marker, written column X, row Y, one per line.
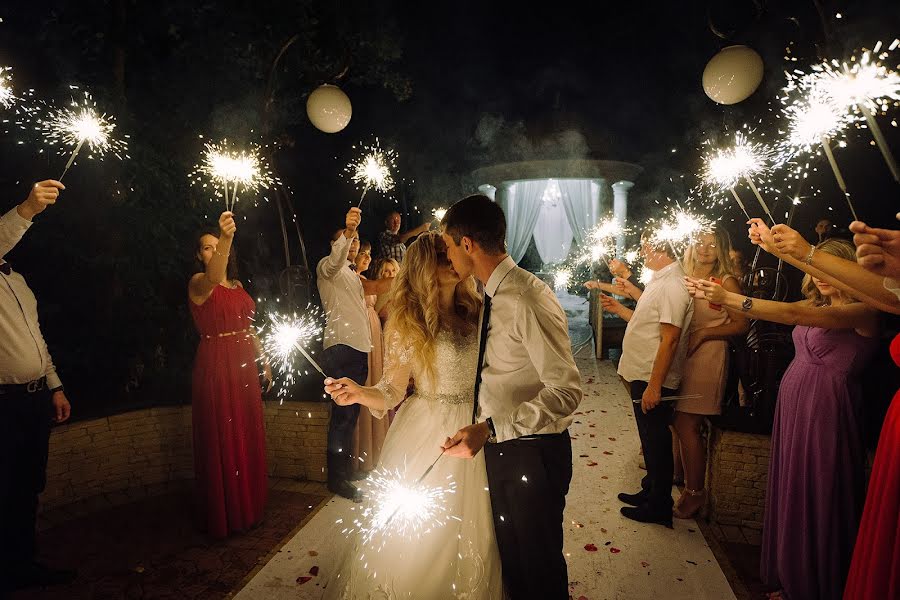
column 529, row 384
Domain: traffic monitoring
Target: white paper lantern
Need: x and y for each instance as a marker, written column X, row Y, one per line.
column 328, row 108
column 733, row 74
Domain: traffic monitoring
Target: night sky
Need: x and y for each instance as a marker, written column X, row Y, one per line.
column 451, row 86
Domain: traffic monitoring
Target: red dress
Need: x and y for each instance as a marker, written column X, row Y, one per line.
column 875, row 570
column 229, row 435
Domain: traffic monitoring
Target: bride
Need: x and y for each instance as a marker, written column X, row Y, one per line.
column 432, row 334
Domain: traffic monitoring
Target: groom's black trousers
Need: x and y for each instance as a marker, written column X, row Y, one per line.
column 656, row 440
column 528, row 480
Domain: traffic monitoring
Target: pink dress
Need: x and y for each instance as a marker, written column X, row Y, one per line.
column 706, row 369
column 368, row 437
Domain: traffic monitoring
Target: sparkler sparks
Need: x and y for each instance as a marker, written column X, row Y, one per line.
column 439, row 213
column 601, row 240
column 284, row 337
column 7, row 97
column 396, row 507
column 561, row 279
column 373, row 169
column 78, row 124
column 222, row 164
column 725, row 167
column 680, row 229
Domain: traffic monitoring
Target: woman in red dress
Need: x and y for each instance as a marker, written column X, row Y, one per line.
column 229, row 436
column 875, row 568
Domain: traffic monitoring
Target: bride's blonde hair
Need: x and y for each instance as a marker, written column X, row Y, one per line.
column 415, row 313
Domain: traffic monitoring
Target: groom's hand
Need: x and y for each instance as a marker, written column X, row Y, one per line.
column 468, row 441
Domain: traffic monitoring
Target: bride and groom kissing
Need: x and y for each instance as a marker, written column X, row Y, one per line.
column 496, row 385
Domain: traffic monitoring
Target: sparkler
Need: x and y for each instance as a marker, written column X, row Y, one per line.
column 7, row 97
column 439, row 214
column 561, row 279
column 724, row 168
column 680, row 229
column 223, row 164
column 78, row 124
column 283, row 337
column 411, row 509
column 373, row 169
column 866, row 87
column 601, row 240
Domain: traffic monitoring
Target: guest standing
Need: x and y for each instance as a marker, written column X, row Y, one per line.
column 392, row 243
column 387, row 270
column 347, row 342
column 31, row 397
column 653, row 353
column 706, row 366
column 227, row 412
column 368, row 437
column 814, row 494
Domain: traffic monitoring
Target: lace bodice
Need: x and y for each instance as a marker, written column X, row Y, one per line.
column 455, row 356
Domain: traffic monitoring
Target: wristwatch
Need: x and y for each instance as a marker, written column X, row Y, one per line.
column 747, row 304
column 492, row 438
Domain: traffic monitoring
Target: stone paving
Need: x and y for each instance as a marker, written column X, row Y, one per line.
column 152, row 548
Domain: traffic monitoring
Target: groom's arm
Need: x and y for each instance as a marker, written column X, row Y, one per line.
column 544, row 331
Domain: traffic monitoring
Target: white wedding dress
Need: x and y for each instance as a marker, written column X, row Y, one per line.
column 456, row 557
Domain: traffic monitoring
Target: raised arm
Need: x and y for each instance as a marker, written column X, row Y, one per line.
column 203, row 284
column 856, row 316
column 16, row 222
column 387, row 393
column 846, row 275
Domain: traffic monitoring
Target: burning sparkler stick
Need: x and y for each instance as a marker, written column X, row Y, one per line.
column 740, row 203
column 838, row 176
column 725, row 167
column 223, row 164
column 760, row 198
column 373, row 169
column 78, row 124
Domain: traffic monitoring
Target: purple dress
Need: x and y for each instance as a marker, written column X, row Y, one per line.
column 816, row 481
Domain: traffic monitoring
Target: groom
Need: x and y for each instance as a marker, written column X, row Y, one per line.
column 526, row 388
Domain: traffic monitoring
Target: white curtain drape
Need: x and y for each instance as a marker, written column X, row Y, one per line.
column 581, row 202
column 521, row 202
column 552, row 233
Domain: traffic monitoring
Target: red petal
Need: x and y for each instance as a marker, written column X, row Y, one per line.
column 614, row 550
column 590, row 548
column 592, row 464
column 303, row 579
column 314, row 571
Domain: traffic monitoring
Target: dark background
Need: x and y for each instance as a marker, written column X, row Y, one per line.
column 450, row 86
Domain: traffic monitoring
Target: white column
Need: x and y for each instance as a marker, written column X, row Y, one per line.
column 620, row 210
column 488, row 190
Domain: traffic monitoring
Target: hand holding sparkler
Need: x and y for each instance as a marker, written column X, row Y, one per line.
column 42, row 194
column 760, row 235
column 468, row 441
column 352, row 221
column 227, row 227
column 705, row 290
column 618, row 268
column 788, row 242
column 345, row 391
column 878, row 250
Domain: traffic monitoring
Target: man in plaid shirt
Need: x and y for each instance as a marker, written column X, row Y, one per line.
column 392, row 243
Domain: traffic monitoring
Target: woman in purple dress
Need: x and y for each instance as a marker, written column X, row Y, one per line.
column 814, row 495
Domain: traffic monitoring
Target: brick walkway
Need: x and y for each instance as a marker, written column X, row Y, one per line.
column 152, row 549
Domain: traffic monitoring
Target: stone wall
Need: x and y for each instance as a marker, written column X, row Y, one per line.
column 145, row 452
column 738, row 467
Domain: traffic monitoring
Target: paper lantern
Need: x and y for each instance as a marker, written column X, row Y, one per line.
column 328, row 108
column 733, row 74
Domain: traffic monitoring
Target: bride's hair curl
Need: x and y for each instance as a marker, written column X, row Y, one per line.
column 415, row 313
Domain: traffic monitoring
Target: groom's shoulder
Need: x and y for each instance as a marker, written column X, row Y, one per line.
column 532, row 287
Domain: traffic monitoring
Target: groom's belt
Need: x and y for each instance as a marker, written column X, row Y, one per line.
column 542, row 436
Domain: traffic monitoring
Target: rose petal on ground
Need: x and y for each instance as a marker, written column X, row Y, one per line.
column 614, row 550
column 314, row 571
column 590, row 547
column 311, row 553
column 303, row 579
column 592, row 464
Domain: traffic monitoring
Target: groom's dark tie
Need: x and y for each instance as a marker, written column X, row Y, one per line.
column 485, row 321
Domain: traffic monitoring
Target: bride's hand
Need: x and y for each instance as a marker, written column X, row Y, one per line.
column 343, row 391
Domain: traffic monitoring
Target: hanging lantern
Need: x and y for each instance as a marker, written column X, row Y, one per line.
column 328, row 108
column 733, row 74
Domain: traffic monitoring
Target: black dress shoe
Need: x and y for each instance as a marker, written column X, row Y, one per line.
column 38, row 575
column 645, row 514
column 634, row 499
column 346, row 490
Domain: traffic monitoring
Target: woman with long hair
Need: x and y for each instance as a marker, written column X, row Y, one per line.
column 387, row 268
column 229, row 435
column 706, row 367
column 431, row 333
column 816, row 475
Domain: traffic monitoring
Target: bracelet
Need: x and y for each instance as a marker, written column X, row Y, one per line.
column 809, row 257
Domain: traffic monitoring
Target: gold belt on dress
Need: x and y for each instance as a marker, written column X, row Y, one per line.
column 226, row 334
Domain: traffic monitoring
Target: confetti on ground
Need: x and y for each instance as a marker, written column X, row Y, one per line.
column 614, row 550
column 592, row 464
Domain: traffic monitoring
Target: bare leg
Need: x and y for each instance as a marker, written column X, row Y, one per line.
column 687, row 426
column 677, row 457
